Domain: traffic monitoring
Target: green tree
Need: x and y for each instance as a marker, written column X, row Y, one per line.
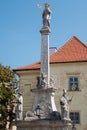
column 7, row 96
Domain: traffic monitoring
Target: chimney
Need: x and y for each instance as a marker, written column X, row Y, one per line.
column 52, row 50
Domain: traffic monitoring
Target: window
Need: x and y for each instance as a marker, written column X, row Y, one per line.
column 73, row 84
column 75, row 117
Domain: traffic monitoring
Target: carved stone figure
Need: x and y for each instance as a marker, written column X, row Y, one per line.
column 19, row 107
column 38, row 82
column 46, row 16
column 52, row 82
column 30, row 116
column 64, row 102
column 43, row 80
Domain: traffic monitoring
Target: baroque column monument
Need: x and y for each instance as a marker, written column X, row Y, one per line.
column 44, row 93
column 44, row 114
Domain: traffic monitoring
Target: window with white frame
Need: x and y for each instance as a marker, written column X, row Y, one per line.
column 73, row 84
column 75, row 117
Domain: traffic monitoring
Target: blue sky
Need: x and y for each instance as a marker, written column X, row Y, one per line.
column 20, row 22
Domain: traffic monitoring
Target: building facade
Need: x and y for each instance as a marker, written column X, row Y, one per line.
column 68, row 69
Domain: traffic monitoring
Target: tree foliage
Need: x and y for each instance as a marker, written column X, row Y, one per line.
column 7, row 96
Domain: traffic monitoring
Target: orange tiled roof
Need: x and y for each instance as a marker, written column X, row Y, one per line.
column 72, row 51
column 34, row 66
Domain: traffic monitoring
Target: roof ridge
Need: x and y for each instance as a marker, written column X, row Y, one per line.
column 74, row 37
column 79, row 41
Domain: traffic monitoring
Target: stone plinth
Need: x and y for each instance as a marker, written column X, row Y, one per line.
column 43, row 125
column 45, row 99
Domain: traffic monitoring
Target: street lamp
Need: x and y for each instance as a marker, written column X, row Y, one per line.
column 73, row 126
column 38, row 109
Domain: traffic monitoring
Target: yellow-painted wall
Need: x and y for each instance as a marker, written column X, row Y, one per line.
column 60, row 73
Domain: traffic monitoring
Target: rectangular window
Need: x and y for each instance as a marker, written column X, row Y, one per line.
column 73, row 84
column 75, row 117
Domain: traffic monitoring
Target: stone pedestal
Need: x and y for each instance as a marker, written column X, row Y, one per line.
column 45, row 99
column 43, row 125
